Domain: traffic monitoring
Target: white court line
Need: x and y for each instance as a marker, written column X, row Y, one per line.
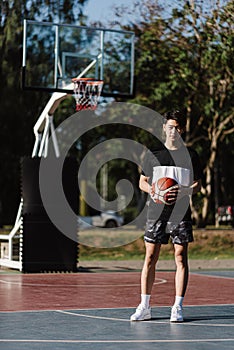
column 148, row 321
column 211, row 276
column 160, row 281
column 117, row 341
column 91, row 316
column 125, row 308
column 197, row 305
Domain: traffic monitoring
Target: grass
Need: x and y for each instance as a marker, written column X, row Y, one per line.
column 128, row 244
column 208, row 244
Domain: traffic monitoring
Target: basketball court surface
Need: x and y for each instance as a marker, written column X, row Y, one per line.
column 91, row 310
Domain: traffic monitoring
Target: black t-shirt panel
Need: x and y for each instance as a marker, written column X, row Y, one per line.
column 184, row 166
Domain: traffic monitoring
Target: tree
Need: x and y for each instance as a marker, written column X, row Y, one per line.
column 216, row 116
column 185, row 58
column 20, row 109
column 210, row 86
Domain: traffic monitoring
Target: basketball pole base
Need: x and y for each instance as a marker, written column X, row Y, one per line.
column 43, row 247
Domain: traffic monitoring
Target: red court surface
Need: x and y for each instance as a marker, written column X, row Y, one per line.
column 25, row 292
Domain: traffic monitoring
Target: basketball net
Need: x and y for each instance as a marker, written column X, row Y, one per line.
column 87, row 92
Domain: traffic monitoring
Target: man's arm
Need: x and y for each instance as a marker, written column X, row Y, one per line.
column 144, row 184
column 180, row 191
column 176, row 193
column 196, row 186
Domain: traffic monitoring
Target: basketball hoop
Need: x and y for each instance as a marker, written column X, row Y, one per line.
column 87, row 93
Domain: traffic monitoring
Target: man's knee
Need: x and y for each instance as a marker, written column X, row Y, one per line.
column 150, row 259
column 181, row 256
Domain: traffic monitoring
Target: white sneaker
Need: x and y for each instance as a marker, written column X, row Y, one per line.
column 141, row 314
column 176, row 314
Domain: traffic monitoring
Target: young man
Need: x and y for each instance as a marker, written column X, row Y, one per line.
column 173, row 218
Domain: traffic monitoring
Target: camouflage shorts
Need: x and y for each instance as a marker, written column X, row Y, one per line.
column 158, row 231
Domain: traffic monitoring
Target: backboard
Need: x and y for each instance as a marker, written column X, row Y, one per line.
column 53, row 54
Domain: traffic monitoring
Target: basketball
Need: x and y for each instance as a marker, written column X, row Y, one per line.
column 161, row 189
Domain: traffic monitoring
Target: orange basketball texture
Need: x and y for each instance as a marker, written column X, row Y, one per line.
column 165, row 182
column 161, row 195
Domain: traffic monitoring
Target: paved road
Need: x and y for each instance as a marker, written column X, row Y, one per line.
column 130, row 265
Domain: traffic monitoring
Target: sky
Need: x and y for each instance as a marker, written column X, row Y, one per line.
column 102, row 10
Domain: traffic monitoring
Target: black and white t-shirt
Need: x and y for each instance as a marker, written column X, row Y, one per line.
column 182, row 165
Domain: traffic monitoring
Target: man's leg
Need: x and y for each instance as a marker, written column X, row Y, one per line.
column 181, row 276
column 181, row 280
column 148, row 271
column 143, row 311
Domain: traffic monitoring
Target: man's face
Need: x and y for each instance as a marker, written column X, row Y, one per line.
column 172, row 130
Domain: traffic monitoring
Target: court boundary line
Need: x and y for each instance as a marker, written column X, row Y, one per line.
column 148, row 321
column 161, row 281
column 109, row 308
column 117, row 341
column 211, row 276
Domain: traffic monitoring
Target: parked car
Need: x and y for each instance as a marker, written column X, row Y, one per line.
column 107, row 218
column 226, row 215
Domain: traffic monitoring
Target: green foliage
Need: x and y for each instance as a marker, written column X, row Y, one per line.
column 20, row 109
column 185, row 60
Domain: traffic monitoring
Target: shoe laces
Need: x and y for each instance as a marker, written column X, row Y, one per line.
column 177, row 308
column 142, row 307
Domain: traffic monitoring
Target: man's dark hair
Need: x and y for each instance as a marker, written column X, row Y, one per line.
column 177, row 115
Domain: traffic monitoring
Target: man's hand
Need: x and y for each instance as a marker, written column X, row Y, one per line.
column 168, row 196
column 172, row 194
column 178, row 192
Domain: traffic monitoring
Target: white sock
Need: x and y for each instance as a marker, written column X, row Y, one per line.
column 179, row 301
column 145, row 299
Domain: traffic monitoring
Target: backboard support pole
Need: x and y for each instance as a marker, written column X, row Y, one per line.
column 50, row 37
